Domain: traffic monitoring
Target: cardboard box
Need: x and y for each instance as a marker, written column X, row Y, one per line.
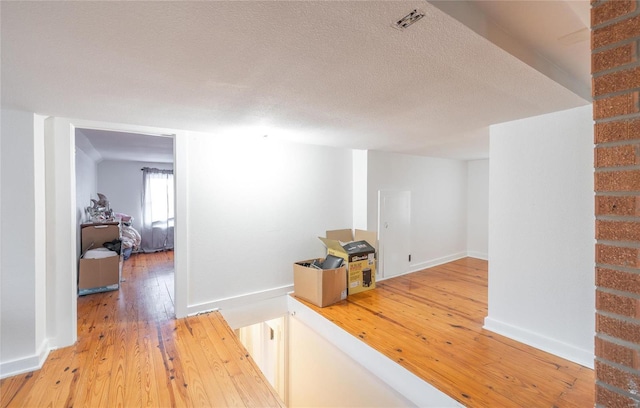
column 347, row 235
column 359, row 255
column 99, row 273
column 322, row 287
column 94, row 235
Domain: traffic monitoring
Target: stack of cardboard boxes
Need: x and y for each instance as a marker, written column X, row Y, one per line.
column 324, row 287
column 98, row 274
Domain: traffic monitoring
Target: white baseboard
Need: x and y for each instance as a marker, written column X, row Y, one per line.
column 26, row 364
column 438, row 261
column 479, row 255
column 553, row 346
column 239, row 301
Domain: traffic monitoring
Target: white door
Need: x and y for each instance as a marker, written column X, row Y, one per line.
column 394, row 222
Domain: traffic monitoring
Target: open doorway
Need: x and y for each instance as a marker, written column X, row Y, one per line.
column 132, row 173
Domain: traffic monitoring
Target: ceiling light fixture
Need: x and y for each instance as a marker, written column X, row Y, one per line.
column 409, row 19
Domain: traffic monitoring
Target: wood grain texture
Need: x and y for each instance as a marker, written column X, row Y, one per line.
column 131, row 352
column 430, row 322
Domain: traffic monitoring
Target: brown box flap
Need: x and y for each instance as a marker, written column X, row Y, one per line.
column 344, row 235
column 94, row 235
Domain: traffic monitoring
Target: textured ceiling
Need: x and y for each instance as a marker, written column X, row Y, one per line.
column 322, row 72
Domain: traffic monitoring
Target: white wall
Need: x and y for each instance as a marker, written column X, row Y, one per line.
column 359, row 192
column 255, row 206
column 23, row 343
column 541, row 257
column 438, row 203
column 329, row 367
column 321, row 375
column 86, row 184
column 121, row 182
column 478, row 208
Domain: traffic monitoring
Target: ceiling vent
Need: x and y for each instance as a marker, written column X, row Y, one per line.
column 409, row 19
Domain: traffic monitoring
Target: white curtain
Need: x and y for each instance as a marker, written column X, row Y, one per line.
column 157, row 209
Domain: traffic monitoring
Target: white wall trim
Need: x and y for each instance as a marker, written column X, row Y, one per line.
column 240, row 300
column 478, row 255
column 181, row 230
column 26, row 364
column 430, row 264
column 558, row 348
column 437, row 261
column 393, row 374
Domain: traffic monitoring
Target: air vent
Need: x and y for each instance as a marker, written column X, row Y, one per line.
column 409, row 19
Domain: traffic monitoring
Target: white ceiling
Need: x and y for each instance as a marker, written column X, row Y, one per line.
column 324, row 72
column 110, row 145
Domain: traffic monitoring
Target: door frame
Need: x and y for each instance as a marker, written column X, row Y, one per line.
column 381, row 230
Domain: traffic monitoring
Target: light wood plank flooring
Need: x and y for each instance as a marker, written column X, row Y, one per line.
column 131, row 352
column 430, row 322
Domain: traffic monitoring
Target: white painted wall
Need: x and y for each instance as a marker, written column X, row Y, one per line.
column 478, row 209
column 438, row 203
column 359, row 189
column 541, row 259
column 255, row 206
column 23, row 343
column 86, row 185
column 121, row 182
column 321, row 375
column 329, row 367
column 62, row 232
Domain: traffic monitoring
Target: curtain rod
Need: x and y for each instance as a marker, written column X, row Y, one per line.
column 155, row 169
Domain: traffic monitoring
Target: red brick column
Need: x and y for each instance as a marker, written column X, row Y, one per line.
column 615, row 66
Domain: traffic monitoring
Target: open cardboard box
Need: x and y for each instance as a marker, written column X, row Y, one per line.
column 359, row 252
column 322, row 287
column 98, row 275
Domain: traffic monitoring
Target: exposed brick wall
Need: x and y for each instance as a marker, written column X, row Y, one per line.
column 615, row 66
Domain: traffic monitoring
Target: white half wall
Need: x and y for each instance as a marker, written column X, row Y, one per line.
column 121, row 182
column 329, row 367
column 256, row 206
column 438, row 203
column 541, row 240
column 23, row 342
column 478, row 209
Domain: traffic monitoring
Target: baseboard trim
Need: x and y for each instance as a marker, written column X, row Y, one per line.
column 438, row 261
column 26, row 364
column 428, row 264
column 479, row 255
column 553, row 346
column 238, row 301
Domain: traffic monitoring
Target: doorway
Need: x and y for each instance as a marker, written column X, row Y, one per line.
column 394, row 226
column 111, row 164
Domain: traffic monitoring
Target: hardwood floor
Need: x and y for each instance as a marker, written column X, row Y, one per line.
column 131, row 352
column 430, row 322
